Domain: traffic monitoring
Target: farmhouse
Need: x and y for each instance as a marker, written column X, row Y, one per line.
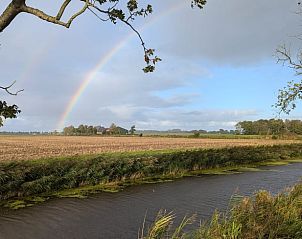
column 117, row 130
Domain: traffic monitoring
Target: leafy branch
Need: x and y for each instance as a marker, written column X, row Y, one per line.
column 7, row 111
column 288, row 96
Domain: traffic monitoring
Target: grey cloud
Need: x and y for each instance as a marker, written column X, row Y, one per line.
column 50, row 63
column 163, row 119
column 231, row 32
column 202, row 119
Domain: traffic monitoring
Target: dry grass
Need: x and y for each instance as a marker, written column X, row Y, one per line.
column 35, row 147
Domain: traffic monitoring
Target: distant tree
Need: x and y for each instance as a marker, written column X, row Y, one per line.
column 277, row 127
column 223, row 131
column 91, row 130
column 70, row 130
column 196, row 134
column 132, row 130
column 269, row 127
column 202, row 131
column 245, row 127
column 81, row 130
column 113, row 129
column 261, row 127
column 294, row 126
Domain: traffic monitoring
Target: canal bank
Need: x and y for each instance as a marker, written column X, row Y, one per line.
column 25, row 183
column 120, row 215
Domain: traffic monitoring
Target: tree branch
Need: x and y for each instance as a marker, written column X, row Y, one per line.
column 6, row 88
column 284, row 56
column 116, row 14
column 9, row 14
column 56, row 20
column 288, row 96
column 62, row 9
column 100, row 18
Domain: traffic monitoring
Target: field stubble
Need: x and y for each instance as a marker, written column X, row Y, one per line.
column 36, row 147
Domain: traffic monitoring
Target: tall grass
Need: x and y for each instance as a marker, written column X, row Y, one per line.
column 260, row 217
column 32, row 177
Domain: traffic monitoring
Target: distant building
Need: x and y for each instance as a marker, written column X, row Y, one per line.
column 100, row 130
column 122, row 131
column 111, row 131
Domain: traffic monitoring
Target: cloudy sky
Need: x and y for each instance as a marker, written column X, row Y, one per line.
column 218, row 66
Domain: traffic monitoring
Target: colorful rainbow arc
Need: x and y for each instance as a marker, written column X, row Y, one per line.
column 104, row 60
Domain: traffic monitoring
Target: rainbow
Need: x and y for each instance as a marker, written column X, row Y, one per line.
column 104, row 60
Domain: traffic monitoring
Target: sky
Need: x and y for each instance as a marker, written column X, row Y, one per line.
column 219, row 66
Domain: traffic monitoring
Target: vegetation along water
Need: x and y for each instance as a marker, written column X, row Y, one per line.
column 24, row 183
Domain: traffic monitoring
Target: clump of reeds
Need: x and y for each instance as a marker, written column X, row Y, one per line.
column 34, row 177
column 163, row 227
column 260, row 217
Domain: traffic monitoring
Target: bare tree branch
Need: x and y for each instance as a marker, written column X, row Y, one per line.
column 100, row 18
column 7, row 89
column 284, row 56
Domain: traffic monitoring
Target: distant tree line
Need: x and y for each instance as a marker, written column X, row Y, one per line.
column 26, row 133
column 180, row 131
column 97, row 130
column 80, row 130
column 269, row 127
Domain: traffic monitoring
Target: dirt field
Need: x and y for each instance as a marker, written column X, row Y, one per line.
column 35, row 147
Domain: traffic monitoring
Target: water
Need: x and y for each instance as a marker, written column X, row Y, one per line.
column 120, row 215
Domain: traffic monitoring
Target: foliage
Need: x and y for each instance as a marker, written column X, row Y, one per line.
column 262, row 216
column 163, row 227
column 132, row 130
column 85, row 130
column 81, row 130
column 196, row 134
column 289, row 95
column 113, row 129
column 7, row 111
column 269, row 127
column 116, row 130
column 33, row 177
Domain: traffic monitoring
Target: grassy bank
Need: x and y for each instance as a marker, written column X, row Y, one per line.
column 28, row 182
column 260, row 217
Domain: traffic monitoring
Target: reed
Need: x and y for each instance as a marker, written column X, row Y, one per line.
column 19, row 179
column 262, row 216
